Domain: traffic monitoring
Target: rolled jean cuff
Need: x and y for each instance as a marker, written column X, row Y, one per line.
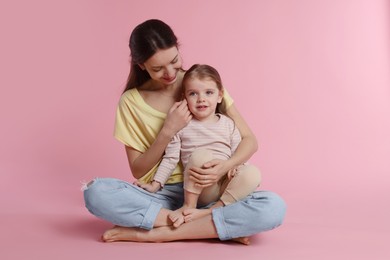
column 150, row 215
column 220, row 224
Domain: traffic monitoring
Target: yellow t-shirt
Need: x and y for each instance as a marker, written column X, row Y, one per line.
column 137, row 125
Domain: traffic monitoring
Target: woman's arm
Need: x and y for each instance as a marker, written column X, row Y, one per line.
column 212, row 171
column 248, row 145
column 140, row 163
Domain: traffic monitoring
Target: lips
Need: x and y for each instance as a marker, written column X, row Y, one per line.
column 170, row 79
column 201, row 107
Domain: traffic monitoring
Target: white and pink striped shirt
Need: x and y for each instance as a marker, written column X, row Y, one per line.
column 221, row 137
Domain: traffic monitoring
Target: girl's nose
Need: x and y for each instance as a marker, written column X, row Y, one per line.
column 200, row 98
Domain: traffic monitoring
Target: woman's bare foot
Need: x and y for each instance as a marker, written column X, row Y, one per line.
column 192, row 214
column 242, row 240
column 118, row 233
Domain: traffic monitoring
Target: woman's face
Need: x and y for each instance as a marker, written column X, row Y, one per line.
column 164, row 65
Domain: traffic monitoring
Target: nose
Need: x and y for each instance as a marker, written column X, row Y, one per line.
column 200, row 98
column 169, row 72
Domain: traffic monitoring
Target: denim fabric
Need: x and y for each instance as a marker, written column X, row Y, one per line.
column 125, row 204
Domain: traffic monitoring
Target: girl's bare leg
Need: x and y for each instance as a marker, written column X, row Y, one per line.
column 202, row 228
column 190, row 201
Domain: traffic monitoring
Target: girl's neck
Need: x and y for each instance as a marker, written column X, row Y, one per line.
column 209, row 120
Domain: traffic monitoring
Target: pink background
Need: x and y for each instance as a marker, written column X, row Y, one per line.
column 312, row 79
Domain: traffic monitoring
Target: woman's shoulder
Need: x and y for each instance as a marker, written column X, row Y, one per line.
column 129, row 95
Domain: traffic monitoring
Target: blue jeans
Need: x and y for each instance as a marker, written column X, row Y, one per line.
column 127, row 205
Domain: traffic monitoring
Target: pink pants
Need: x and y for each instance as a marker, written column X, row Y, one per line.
column 246, row 179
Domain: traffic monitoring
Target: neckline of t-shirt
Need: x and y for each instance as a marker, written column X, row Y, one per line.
column 147, row 106
column 195, row 121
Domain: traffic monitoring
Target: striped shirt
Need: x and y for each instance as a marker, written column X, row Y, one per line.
column 221, row 137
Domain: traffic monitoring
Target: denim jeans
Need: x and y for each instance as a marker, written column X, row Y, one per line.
column 127, row 205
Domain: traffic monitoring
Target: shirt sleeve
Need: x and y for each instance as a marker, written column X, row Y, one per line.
column 169, row 162
column 235, row 138
column 124, row 130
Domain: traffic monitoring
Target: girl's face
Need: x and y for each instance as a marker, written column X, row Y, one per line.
column 164, row 65
column 202, row 97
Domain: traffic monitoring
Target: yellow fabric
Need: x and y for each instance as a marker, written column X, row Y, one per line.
column 137, row 125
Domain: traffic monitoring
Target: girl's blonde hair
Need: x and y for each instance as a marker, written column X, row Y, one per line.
column 201, row 72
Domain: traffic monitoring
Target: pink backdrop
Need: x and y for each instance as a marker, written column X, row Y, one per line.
column 312, row 79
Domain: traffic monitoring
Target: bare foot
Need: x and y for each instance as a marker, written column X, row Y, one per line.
column 192, row 214
column 242, row 240
column 118, row 233
column 177, row 217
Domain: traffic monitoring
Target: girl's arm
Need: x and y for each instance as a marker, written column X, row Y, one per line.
column 140, row 163
column 212, row 171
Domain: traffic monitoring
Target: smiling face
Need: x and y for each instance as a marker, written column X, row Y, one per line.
column 202, row 96
column 164, row 65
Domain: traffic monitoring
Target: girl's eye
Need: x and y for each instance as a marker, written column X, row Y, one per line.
column 191, row 94
column 210, row 92
column 157, row 70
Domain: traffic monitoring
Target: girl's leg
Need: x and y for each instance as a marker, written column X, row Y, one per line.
column 191, row 192
column 127, row 205
column 246, row 179
column 190, row 201
column 197, row 159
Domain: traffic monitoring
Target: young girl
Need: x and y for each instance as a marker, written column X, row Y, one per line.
column 209, row 135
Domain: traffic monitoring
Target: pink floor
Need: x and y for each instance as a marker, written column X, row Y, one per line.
column 51, row 223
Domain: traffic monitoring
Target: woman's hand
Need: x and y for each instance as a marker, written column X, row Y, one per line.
column 210, row 173
column 178, row 117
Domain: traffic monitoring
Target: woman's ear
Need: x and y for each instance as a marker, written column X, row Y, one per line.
column 142, row 66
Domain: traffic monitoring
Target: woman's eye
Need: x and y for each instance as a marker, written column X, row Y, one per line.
column 210, row 92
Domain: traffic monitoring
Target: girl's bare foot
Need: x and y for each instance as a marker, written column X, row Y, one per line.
column 177, row 217
column 192, row 214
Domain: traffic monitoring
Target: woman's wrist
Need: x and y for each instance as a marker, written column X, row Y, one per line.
column 167, row 133
column 230, row 164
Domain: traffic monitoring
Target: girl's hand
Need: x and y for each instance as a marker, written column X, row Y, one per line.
column 210, row 173
column 178, row 117
column 152, row 187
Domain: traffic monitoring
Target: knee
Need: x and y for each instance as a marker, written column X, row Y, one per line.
column 95, row 193
column 249, row 175
column 277, row 210
column 200, row 157
column 91, row 193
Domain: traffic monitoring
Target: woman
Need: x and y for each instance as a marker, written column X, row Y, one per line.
column 149, row 114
